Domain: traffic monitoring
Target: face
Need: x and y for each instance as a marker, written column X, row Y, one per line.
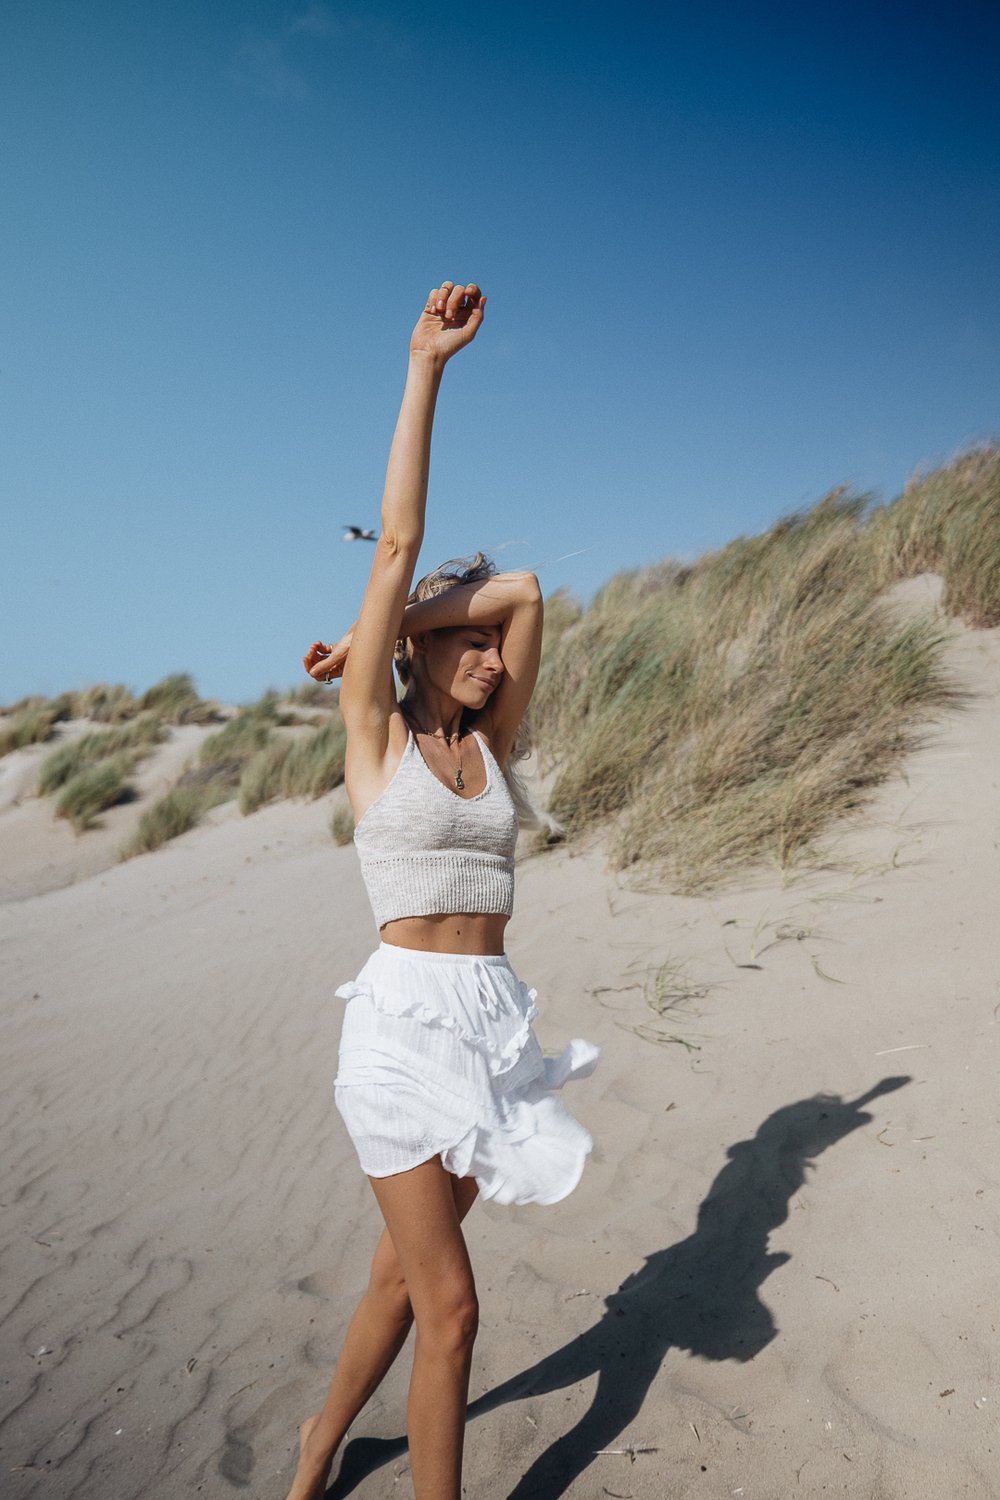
column 464, row 663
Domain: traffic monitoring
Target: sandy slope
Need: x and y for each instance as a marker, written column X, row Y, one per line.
column 779, row 1271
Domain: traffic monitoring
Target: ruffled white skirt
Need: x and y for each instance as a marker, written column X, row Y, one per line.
column 438, row 1058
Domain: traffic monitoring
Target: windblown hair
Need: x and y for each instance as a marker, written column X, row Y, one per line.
column 449, row 575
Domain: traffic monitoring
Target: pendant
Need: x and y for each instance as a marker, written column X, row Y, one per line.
column 458, row 780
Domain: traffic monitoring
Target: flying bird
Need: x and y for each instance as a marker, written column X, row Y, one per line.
column 356, row 534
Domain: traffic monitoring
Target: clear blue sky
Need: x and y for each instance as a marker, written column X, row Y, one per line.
column 735, row 254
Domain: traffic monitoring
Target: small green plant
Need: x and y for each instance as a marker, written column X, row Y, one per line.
column 94, row 789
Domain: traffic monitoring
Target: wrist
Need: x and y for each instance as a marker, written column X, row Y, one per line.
column 425, row 359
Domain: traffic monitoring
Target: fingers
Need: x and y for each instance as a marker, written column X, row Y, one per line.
column 455, row 303
column 437, row 301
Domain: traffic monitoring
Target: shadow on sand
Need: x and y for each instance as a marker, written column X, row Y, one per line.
column 700, row 1295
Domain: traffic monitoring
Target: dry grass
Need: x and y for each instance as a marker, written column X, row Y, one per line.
column 948, row 522
column 140, row 737
column 306, row 766
column 95, row 788
column 106, row 703
column 710, row 716
column 175, row 700
column 28, row 722
column 174, row 813
column 312, row 695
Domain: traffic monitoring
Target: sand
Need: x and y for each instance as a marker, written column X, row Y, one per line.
column 776, row 1278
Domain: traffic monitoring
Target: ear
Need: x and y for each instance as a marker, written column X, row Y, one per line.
column 419, row 644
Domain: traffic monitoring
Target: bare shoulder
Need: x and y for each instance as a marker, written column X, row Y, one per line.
column 368, row 769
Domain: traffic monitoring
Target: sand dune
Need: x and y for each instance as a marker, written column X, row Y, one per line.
column 776, row 1278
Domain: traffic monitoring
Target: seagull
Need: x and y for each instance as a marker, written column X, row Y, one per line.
column 356, row 534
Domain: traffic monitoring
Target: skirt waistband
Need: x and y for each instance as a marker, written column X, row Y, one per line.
column 418, row 955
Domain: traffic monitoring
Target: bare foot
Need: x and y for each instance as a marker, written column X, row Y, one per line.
column 314, row 1465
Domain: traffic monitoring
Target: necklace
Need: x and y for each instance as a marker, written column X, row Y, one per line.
column 449, row 739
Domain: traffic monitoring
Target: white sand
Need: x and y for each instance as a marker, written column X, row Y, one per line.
column 773, row 1291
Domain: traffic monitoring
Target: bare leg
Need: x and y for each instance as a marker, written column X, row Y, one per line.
column 422, row 1219
column 374, row 1337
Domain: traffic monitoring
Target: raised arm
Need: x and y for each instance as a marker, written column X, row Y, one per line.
column 450, row 320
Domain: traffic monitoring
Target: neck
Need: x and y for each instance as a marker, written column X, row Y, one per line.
column 435, row 714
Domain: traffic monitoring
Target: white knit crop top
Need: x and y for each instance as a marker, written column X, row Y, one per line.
column 425, row 850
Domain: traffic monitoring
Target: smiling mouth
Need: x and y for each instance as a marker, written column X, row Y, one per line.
column 484, row 682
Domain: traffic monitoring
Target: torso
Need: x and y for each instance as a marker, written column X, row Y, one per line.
column 468, row 932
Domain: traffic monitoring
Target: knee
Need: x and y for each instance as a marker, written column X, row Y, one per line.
column 452, row 1324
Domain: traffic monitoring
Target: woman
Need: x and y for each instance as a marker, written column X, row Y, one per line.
column 441, row 1083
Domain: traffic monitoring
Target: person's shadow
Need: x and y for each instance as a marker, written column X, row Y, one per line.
column 700, row 1295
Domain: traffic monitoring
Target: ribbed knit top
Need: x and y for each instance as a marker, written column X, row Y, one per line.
column 425, row 850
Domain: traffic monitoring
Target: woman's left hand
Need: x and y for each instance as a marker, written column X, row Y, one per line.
column 451, row 319
column 324, row 663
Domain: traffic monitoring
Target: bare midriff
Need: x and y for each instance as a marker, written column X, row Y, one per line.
column 472, row 932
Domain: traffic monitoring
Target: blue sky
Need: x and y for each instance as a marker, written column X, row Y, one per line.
column 735, row 254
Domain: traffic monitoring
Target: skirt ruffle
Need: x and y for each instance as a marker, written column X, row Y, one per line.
column 438, row 1058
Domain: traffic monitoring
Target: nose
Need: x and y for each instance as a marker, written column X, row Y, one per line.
column 494, row 660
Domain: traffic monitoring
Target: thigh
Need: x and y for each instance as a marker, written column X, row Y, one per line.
column 386, row 1269
column 422, row 1209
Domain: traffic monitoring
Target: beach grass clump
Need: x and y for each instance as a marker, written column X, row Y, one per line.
column 95, row 788
column 948, row 522
column 30, row 722
column 224, row 755
column 713, row 715
column 308, row 765
column 106, row 703
column 175, row 699
column 179, row 809
column 140, row 736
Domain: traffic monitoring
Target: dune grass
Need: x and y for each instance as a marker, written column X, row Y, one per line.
column 106, row 703
column 26, row 723
column 306, row 766
column 710, row 716
column 95, row 788
column 703, row 717
column 246, row 759
column 175, row 699
column 140, row 736
column 172, row 814
column 948, row 522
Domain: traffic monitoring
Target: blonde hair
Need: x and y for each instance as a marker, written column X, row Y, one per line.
column 449, row 575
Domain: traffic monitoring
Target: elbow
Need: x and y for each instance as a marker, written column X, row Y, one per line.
column 400, row 543
column 525, row 588
column 532, row 592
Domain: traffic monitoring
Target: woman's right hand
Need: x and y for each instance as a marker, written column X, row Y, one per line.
column 324, row 663
column 451, row 319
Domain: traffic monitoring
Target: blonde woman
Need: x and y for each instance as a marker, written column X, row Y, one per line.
column 441, row 1082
